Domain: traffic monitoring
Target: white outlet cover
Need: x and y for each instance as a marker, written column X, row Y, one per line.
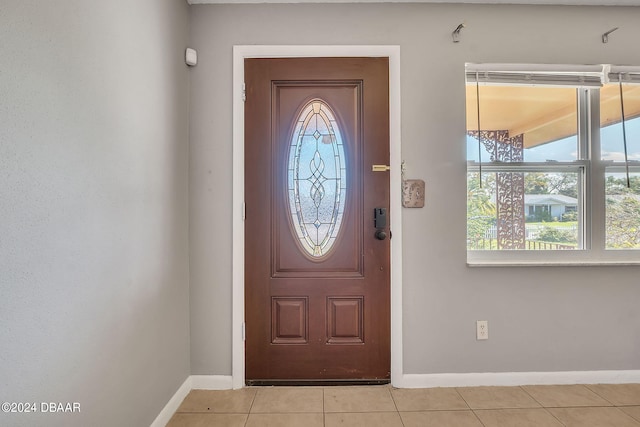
column 482, row 329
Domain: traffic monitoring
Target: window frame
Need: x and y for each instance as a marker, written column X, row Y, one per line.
column 591, row 183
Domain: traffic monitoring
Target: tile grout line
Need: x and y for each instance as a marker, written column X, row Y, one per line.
column 554, row 416
column 633, row 417
column 586, row 386
column 324, row 414
column 469, row 406
column 463, row 399
column 531, row 396
column 393, row 399
column 545, row 408
column 253, row 400
column 598, row 394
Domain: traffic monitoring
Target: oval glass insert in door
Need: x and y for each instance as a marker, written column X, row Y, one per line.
column 316, row 179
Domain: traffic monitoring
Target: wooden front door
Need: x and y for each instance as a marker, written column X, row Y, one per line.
column 317, row 276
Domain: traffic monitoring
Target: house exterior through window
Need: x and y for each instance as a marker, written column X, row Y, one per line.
column 546, row 155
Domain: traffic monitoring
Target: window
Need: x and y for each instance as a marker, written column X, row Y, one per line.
column 316, row 178
column 622, row 201
column 546, row 165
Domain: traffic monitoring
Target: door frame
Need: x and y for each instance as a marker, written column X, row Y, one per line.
column 240, row 52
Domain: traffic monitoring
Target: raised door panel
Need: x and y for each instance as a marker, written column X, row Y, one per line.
column 300, row 174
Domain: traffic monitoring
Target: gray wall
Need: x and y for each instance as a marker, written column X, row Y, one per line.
column 540, row 319
column 93, row 208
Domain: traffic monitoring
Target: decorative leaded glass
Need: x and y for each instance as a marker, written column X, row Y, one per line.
column 316, row 178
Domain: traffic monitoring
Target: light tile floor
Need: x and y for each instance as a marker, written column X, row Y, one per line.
column 601, row 405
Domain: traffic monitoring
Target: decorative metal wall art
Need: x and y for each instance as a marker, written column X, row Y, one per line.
column 509, row 186
column 413, row 193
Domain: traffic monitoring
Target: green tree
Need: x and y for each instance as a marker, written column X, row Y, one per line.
column 481, row 210
column 622, row 211
column 564, row 183
column 536, row 183
column 617, row 185
column 551, row 234
column 623, row 222
column 551, row 183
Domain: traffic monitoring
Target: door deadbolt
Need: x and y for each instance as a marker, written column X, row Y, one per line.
column 380, row 222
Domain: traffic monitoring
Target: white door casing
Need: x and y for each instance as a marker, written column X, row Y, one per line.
column 239, row 54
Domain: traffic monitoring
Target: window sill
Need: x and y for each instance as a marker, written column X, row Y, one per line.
column 551, row 263
column 520, row 258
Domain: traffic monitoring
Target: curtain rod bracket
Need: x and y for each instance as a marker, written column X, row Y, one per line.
column 605, row 36
column 455, row 35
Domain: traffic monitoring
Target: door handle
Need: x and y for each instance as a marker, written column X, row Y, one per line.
column 380, row 222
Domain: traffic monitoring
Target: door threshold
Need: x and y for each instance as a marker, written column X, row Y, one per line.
column 327, row 382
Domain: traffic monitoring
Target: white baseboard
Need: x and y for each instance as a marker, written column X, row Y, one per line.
column 193, row 382
column 211, row 382
column 172, row 406
column 516, row 379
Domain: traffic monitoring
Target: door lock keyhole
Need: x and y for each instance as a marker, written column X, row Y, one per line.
column 380, row 222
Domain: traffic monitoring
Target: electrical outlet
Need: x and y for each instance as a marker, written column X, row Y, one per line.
column 482, row 329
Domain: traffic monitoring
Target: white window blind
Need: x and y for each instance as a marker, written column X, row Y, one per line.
column 629, row 75
column 538, row 74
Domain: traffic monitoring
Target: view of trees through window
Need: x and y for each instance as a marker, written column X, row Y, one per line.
column 622, row 211
column 535, row 179
column 550, row 211
column 543, row 229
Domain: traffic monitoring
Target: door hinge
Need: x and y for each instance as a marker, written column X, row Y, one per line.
column 244, row 92
column 244, row 211
column 244, row 331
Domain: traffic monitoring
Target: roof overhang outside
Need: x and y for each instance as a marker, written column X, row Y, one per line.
column 543, row 114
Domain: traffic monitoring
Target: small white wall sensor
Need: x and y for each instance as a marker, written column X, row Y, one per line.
column 191, row 57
